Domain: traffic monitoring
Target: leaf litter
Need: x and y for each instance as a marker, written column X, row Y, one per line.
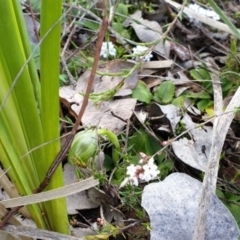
column 103, row 114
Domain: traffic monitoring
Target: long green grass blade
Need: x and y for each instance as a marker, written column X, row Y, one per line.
column 27, row 48
column 49, row 67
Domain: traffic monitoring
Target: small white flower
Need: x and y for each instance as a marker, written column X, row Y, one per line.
column 141, row 172
column 131, row 170
column 147, row 176
column 150, row 170
column 141, row 176
column 151, row 162
column 108, row 49
column 134, row 181
column 142, row 50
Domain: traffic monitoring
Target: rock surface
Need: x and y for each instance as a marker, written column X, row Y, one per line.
column 172, row 207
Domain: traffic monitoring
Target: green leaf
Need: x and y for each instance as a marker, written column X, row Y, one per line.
column 203, row 104
column 118, row 27
column 123, row 9
column 91, row 25
column 142, row 93
column 50, row 69
column 118, row 175
column 108, row 163
column 165, row 92
column 165, row 168
column 178, row 102
column 200, row 73
column 143, row 142
column 36, row 4
column 121, row 13
column 226, row 86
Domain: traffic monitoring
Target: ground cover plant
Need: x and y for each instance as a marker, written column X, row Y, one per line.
column 148, row 117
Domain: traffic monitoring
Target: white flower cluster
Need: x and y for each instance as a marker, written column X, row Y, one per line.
column 142, row 50
column 141, row 172
column 206, row 12
column 108, row 49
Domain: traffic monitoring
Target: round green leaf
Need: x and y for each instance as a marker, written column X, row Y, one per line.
column 165, row 92
column 142, row 93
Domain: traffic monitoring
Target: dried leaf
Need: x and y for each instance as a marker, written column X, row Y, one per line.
column 77, row 201
column 195, row 151
column 52, row 194
column 149, row 31
column 101, row 114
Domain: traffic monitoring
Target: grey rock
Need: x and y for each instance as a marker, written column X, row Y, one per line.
column 172, row 207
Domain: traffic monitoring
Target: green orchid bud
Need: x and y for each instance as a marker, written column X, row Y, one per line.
column 84, row 147
column 114, row 140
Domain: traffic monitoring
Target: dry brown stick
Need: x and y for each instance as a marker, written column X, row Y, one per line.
column 60, row 156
